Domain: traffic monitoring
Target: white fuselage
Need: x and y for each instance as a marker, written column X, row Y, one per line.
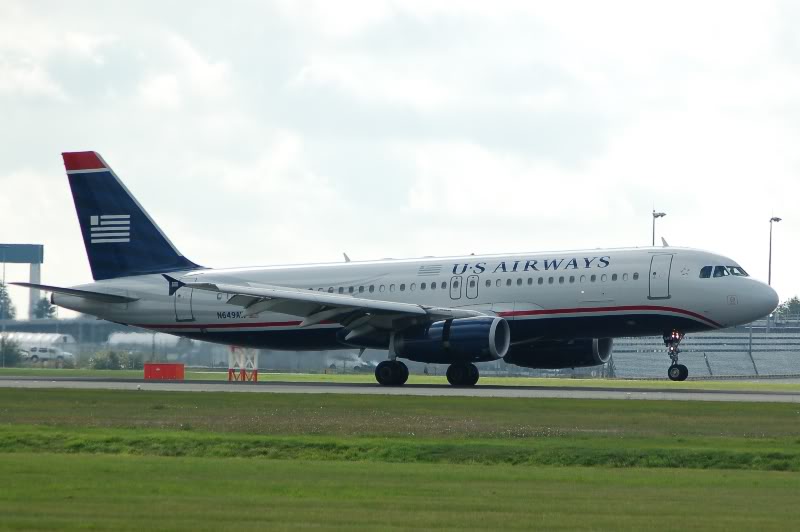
column 560, row 295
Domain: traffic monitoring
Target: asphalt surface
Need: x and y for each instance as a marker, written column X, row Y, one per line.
column 430, row 390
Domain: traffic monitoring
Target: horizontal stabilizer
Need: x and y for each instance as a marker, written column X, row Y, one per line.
column 85, row 294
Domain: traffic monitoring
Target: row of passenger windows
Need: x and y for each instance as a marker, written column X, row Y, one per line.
column 472, row 283
column 722, row 271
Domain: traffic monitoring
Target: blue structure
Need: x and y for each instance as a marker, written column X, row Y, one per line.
column 32, row 254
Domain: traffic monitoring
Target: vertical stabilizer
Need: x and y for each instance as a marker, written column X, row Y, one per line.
column 120, row 237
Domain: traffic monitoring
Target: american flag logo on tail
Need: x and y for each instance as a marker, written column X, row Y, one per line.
column 110, row 228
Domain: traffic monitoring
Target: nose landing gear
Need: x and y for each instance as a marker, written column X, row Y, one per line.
column 676, row 371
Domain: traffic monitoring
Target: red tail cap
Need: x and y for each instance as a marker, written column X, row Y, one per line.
column 82, row 160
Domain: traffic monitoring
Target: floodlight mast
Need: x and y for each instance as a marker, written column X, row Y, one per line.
column 656, row 215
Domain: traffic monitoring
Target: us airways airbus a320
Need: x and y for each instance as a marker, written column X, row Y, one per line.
column 536, row 310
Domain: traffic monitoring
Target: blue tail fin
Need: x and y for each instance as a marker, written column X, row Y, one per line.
column 120, row 237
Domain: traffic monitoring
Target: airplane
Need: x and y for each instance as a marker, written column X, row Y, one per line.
column 538, row 310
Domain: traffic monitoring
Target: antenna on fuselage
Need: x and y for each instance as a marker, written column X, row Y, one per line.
column 346, row 258
column 664, row 242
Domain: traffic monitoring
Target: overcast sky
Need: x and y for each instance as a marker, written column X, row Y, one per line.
column 283, row 132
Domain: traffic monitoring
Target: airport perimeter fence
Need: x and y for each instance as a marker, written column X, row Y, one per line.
column 718, row 354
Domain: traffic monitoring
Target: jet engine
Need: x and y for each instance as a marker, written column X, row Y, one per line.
column 561, row 354
column 477, row 339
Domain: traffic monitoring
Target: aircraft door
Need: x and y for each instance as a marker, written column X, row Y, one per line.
column 660, row 266
column 472, row 286
column 455, row 287
column 183, row 304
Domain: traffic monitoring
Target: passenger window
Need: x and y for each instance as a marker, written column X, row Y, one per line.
column 330, row 290
column 444, row 286
column 341, row 289
column 614, row 277
column 403, row 287
column 549, row 280
column 488, row 283
column 571, row 278
column 604, row 278
column 422, row 286
column 583, row 278
column 541, row 280
column 360, row 289
column 561, row 280
column 705, row 272
column 530, row 281
column 499, row 283
column 472, row 283
column 624, row 276
column 508, row 282
column 720, row 271
column 382, row 288
column 371, row 288
column 351, row 289
column 593, row 278
column 635, row 276
column 414, row 286
column 391, row 288
column 433, row 286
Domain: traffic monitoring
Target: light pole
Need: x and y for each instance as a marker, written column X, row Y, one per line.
column 656, row 215
column 769, row 270
column 769, row 275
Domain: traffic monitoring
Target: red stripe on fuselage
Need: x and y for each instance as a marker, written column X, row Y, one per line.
column 82, row 160
column 542, row 312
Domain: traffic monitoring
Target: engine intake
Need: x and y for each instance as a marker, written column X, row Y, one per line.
column 579, row 353
column 465, row 339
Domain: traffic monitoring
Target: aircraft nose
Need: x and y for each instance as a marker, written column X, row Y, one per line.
column 767, row 300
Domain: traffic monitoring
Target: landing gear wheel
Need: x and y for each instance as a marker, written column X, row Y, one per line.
column 391, row 373
column 461, row 374
column 474, row 375
column 678, row 372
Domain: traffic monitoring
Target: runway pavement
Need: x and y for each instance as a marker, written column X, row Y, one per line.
column 431, row 390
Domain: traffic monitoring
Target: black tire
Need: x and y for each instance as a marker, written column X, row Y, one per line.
column 474, row 375
column 401, row 373
column 458, row 374
column 684, row 372
column 384, row 373
column 674, row 372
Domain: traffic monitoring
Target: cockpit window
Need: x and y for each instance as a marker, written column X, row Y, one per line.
column 738, row 271
column 720, row 271
column 705, row 272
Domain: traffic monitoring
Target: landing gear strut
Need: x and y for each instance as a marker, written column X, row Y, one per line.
column 391, row 373
column 676, row 372
column 462, row 374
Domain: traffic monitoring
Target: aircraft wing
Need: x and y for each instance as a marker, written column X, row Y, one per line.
column 360, row 315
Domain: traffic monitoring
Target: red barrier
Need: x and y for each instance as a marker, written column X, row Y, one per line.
column 163, row 371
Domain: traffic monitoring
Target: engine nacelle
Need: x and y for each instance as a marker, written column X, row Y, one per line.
column 561, row 354
column 477, row 339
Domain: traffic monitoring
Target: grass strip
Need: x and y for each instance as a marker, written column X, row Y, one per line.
column 772, row 455
column 99, row 492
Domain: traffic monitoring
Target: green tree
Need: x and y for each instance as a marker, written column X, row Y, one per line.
column 7, row 310
column 789, row 308
column 9, row 352
column 44, row 309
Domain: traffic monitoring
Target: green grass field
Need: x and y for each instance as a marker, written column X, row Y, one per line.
column 699, row 384
column 176, row 460
column 56, row 492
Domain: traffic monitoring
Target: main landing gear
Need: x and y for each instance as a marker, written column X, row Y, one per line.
column 676, row 372
column 391, row 373
column 462, row 374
